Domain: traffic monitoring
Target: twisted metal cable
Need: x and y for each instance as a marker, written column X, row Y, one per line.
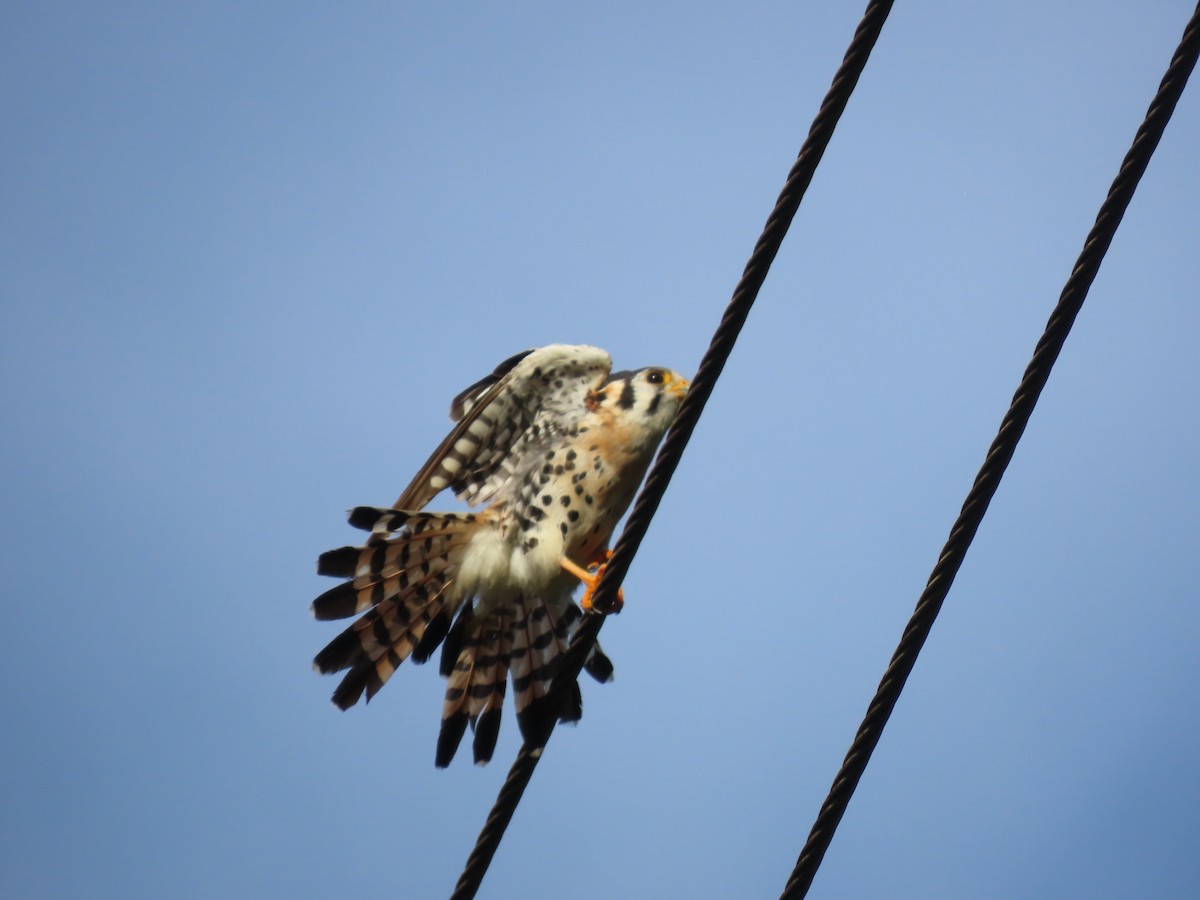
column 998, row 457
column 744, row 295
column 671, row 452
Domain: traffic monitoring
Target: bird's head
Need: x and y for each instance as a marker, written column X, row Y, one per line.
column 650, row 397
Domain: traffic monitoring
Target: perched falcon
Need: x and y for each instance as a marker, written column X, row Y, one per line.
column 552, row 446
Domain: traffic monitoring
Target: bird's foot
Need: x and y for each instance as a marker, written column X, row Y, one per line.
column 590, row 578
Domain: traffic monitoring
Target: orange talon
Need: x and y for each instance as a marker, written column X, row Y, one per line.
column 590, row 578
column 599, row 557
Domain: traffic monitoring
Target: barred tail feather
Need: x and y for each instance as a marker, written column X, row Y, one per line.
column 398, row 581
column 475, row 693
column 486, row 697
column 458, row 663
column 530, row 641
column 421, row 549
column 435, row 633
column 399, row 584
column 540, row 638
column 375, row 646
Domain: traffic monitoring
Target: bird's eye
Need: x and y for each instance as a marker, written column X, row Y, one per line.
column 654, row 376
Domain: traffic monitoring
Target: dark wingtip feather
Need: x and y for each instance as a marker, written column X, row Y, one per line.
column 534, row 719
column 572, row 709
column 365, row 517
column 449, row 738
column 350, row 690
column 340, row 653
column 435, row 631
column 454, row 641
column 336, row 603
column 534, row 722
column 340, row 563
column 598, row 665
column 487, row 729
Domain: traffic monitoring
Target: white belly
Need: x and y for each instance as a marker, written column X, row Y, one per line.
column 496, row 569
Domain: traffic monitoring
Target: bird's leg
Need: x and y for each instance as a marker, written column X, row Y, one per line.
column 591, row 577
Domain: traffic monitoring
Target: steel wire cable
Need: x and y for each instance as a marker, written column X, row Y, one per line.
column 744, row 295
column 998, row 456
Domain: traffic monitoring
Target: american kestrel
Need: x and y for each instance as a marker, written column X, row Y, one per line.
column 552, row 447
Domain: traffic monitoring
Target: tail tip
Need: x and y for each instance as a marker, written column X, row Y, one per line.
column 365, row 517
column 340, row 563
column 450, row 736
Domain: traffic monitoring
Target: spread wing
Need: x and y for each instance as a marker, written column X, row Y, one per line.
column 529, row 397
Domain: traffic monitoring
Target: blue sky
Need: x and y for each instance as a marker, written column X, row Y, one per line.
column 250, row 252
